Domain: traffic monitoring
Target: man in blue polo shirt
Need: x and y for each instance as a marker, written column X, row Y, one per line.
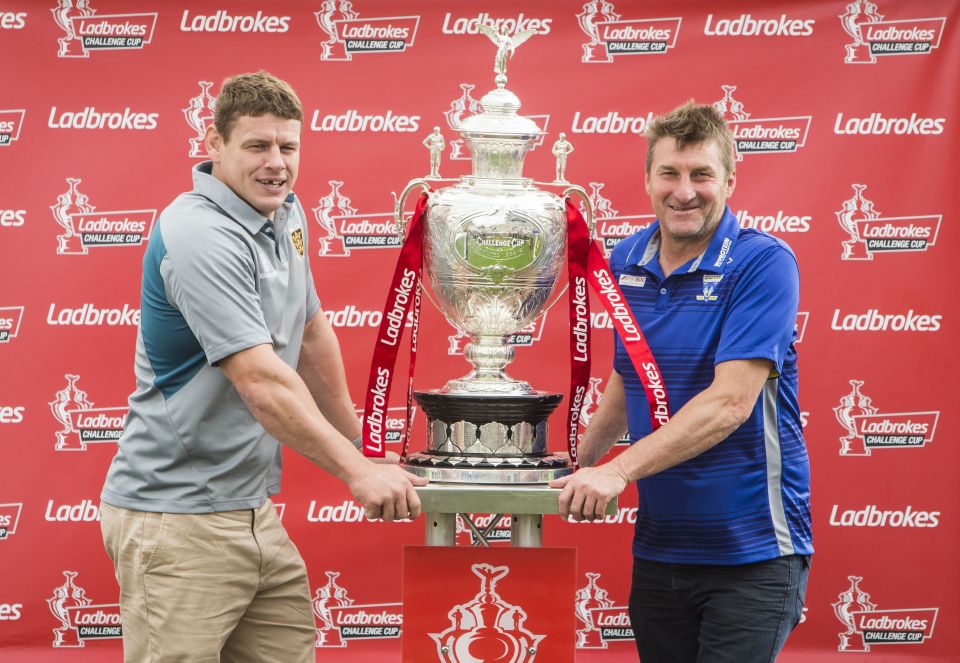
column 722, row 541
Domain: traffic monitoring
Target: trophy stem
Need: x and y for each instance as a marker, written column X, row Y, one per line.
column 489, row 355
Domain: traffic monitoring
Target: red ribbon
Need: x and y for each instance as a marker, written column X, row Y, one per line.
column 404, row 293
column 578, row 250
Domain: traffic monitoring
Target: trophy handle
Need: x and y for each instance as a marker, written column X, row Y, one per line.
column 399, row 202
column 591, row 227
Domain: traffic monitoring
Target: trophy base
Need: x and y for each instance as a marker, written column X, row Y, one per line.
column 487, row 439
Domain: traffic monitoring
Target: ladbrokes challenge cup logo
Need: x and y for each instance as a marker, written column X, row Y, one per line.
column 347, row 33
column 85, row 30
column 85, row 228
column 81, row 620
column 867, row 625
column 872, row 36
column 872, row 233
column 9, row 517
column 10, row 123
column 603, row 621
column 868, row 428
column 82, row 423
column 199, row 115
column 10, row 318
column 341, row 619
column 761, row 135
column 343, row 229
column 610, row 35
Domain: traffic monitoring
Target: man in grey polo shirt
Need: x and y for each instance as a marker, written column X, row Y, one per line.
column 233, row 358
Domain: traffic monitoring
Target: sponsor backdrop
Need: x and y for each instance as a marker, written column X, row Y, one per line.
column 843, row 114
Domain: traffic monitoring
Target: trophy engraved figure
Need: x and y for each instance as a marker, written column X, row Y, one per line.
column 67, row 595
column 494, row 246
column 332, row 204
column 331, row 12
column 69, row 399
column 593, row 12
column 487, row 628
column 852, row 19
column 590, row 598
column 199, row 114
column 454, row 115
column 434, row 142
column 71, row 45
column 69, row 203
column 561, row 150
column 330, row 595
column 851, row 601
column 506, row 45
column 852, row 405
column 854, row 210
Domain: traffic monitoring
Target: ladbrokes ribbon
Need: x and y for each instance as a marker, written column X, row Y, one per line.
column 615, row 303
column 578, row 249
column 404, row 293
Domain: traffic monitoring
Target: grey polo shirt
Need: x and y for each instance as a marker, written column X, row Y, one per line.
column 214, row 283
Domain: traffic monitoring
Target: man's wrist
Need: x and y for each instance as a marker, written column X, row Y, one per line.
column 357, row 442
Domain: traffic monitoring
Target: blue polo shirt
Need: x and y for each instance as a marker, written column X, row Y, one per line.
column 747, row 499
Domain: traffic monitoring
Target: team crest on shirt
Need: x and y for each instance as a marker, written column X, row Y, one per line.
column 297, row 236
column 710, row 282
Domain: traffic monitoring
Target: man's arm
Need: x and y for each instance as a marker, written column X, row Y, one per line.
column 705, row 420
column 607, row 425
column 280, row 400
column 321, row 368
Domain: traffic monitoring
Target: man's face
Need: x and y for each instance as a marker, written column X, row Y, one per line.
column 688, row 188
column 259, row 162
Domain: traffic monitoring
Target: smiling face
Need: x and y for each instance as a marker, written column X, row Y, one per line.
column 259, row 159
column 689, row 190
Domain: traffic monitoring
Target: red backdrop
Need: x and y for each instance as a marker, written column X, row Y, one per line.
column 843, row 114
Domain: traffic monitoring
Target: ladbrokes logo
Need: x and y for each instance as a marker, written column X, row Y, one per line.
column 89, row 315
column 471, row 25
column 85, row 228
column 603, row 621
column 224, row 21
column 873, row 320
column 352, row 121
column 872, row 233
column 525, row 337
column 343, row 229
column 12, row 218
column 86, row 511
column 868, row 428
column 347, row 33
column 10, row 123
column 81, row 620
column 876, row 124
column 91, row 118
column 466, row 105
column 874, row 516
column 779, row 223
column 85, row 30
column 866, row 625
column 341, row 619
column 873, row 36
column 611, row 123
column 10, row 319
column 611, row 35
column 770, row 135
column 746, row 25
column 9, row 517
column 13, row 20
column 82, row 423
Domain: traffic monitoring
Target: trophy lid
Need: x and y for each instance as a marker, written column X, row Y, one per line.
column 500, row 117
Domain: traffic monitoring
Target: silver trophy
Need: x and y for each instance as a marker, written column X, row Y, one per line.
column 494, row 246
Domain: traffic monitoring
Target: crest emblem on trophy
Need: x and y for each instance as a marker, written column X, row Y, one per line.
column 588, row 599
column 331, row 12
column 855, row 209
column 593, row 12
column 852, row 19
column 199, row 114
column 69, row 399
column 330, row 595
column 68, row 204
column 64, row 14
column 853, row 405
column 487, row 628
column 66, row 596
column 849, row 602
column 332, row 206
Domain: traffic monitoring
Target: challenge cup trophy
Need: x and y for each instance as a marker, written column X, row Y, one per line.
column 494, row 246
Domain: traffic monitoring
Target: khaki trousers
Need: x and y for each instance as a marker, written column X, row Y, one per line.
column 226, row 586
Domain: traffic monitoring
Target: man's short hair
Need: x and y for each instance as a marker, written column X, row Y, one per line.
column 690, row 124
column 254, row 94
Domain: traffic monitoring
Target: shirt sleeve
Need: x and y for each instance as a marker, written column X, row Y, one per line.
column 313, row 300
column 761, row 320
column 210, row 276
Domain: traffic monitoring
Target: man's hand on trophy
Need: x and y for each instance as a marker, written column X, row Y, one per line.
column 390, row 458
column 387, row 492
column 587, row 491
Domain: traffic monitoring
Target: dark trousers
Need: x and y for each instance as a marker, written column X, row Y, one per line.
column 691, row 613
